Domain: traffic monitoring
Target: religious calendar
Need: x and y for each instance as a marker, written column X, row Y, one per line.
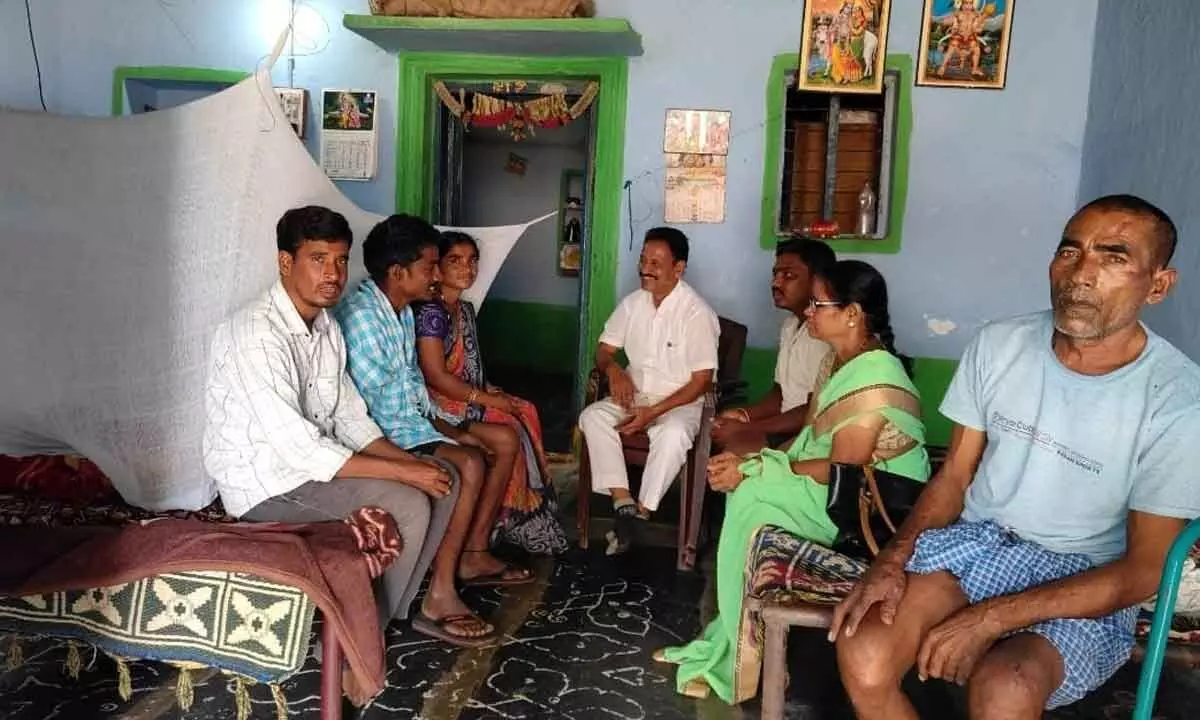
column 695, row 188
column 349, row 134
column 696, row 147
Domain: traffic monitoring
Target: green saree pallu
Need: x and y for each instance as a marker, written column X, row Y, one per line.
column 771, row 494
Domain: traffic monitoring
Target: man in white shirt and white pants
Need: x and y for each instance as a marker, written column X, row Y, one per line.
column 669, row 335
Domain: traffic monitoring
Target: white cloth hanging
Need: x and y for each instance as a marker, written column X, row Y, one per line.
column 127, row 241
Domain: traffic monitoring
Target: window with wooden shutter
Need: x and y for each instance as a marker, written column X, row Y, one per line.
column 834, row 146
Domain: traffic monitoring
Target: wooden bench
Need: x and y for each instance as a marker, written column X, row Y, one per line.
column 80, row 495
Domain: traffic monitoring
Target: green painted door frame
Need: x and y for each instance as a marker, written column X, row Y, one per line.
column 415, row 152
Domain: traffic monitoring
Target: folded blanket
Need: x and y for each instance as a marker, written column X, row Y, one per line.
column 328, row 561
column 57, row 477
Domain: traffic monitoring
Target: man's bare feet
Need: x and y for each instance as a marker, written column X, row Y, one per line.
column 480, row 567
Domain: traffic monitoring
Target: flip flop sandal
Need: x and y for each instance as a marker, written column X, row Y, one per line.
column 695, row 688
column 504, row 578
column 426, row 625
column 627, row 526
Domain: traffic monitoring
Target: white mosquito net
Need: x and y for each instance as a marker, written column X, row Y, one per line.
column 129, row 240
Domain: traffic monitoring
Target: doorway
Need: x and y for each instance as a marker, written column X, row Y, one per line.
column 529, row 327
column 418, row 154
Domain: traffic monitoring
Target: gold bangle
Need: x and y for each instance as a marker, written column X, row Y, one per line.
column 472, row 397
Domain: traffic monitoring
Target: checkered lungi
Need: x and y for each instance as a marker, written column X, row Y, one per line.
column 990, row 561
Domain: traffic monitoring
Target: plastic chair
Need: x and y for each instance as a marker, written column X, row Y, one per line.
column 1156, row 646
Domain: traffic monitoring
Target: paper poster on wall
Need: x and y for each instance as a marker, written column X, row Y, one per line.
column 697, row 131
column 295, row 107
column 695, row 188
column 349, row 134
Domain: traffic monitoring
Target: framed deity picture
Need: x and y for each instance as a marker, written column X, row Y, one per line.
column 964, row 43
column 843, row 45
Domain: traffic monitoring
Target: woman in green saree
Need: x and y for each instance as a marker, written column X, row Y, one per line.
column 864, row 410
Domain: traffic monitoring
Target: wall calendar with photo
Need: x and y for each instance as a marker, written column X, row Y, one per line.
column 349, row 134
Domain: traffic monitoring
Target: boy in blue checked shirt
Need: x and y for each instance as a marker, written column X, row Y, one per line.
column 401, row 257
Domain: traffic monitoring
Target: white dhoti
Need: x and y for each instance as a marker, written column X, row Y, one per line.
column 671, row 436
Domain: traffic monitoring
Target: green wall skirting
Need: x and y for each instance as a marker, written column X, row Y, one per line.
column 529, row 335
column 758, row 371
column 931, row 376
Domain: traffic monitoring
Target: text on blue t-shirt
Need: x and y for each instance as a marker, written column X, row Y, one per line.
column 1069, row 455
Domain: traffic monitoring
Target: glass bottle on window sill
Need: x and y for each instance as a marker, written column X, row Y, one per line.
column 866, row 211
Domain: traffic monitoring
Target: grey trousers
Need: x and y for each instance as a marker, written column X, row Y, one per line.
column 421, row 520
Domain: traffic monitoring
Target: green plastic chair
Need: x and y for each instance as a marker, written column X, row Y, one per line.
column 1156, row 647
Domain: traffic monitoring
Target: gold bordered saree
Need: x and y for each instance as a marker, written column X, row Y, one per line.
column 771, row 494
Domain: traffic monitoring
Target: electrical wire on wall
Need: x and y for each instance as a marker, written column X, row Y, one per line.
column 292, row 47
column 645, row 189
column 166, row 6
column 37, row 65
column 304, row 32
column 629, row 210
column 308, row 31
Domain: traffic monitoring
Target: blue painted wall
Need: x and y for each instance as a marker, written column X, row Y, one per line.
column 80, row 42
column 993, row 176
column 1140, row 134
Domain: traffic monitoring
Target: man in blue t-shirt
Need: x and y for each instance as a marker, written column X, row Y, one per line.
column 1069, row 474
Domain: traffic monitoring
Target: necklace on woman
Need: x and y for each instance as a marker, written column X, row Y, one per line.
column 868, row 344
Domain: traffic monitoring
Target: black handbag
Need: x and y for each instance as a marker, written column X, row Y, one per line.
column 868, row 505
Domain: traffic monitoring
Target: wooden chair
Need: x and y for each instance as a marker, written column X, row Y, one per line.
column 692, row 479
column 780, row 617
column 780, row 612
column 777, row 620
column 814, row 609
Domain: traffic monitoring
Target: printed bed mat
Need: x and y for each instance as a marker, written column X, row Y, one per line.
column 238, row 623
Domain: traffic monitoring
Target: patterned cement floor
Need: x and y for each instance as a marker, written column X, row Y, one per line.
column 577, row 647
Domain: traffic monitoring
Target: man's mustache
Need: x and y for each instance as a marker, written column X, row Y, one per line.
column 1076, row 296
